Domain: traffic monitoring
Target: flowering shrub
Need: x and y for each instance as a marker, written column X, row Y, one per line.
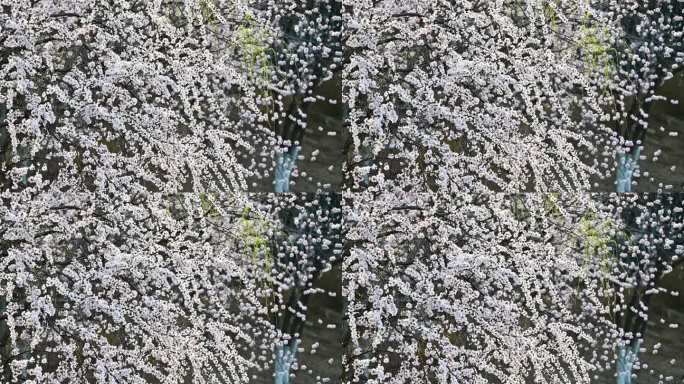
column 131, row 250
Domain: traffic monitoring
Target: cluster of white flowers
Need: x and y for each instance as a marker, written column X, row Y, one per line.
column 504, row 288
column 469, row 97
column 476, row 289
column 465, row 240
column 448, row 282
column 130, row 251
